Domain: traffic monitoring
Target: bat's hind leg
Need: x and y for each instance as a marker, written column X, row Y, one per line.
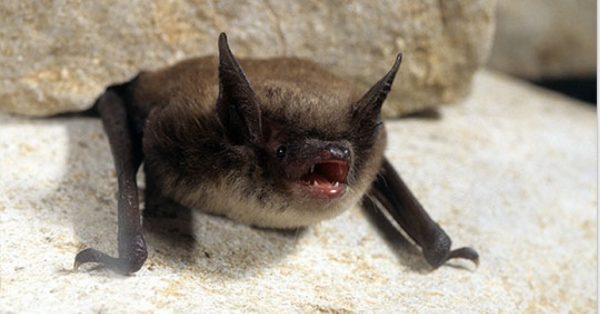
column 394, row 196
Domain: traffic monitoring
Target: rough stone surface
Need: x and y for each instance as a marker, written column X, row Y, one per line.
column 59, row 56
column 545, row 38
column 510, row 171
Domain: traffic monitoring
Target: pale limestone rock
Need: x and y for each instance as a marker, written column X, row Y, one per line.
column 60, row 55
column 510, row 171
column 545, row 38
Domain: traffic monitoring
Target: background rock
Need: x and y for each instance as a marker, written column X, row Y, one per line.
column 60, row 55
column 545, row 38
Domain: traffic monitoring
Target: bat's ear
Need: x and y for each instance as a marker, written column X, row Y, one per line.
column 237, row 107
column 366, row 112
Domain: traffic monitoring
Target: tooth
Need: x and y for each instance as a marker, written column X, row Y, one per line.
column 335, row 185
column 312, row 168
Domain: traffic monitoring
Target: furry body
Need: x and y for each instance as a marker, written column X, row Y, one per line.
column 189, row 158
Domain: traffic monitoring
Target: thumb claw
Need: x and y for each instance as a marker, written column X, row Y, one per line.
column 466, row 253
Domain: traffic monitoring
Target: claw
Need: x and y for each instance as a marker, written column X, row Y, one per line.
column 126, row 265
column 466, row 253
column 92, row 256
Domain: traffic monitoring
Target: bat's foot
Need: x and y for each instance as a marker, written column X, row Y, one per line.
column 131, row 262
column 438, row 252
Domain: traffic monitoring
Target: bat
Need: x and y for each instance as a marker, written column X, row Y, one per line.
column 278, row 143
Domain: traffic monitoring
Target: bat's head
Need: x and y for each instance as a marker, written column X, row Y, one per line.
column 308, row 165
column 318, row 146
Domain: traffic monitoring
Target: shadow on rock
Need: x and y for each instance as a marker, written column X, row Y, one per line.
column 432, row 114
column 190, row 240
column 407, row 253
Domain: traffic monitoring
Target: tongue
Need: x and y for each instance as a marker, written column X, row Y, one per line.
column 332, row 171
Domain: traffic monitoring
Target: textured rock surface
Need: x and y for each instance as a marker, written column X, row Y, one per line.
column 511, row 171
column 545, row 38
column 59, row 56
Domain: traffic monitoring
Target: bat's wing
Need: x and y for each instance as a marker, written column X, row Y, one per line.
column 125, row 142
column 393, row 196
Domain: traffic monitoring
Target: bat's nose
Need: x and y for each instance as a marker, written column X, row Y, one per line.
column 338, row 152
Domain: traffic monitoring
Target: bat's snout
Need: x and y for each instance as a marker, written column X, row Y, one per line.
column 336, row 153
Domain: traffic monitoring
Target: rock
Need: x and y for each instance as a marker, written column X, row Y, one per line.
column 510, row 171
column 538, row 39
column 59, row 57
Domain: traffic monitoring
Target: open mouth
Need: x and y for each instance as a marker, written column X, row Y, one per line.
column 326, row 179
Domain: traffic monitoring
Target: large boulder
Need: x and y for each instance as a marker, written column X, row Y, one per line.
column 538, row 39
column 59, row 56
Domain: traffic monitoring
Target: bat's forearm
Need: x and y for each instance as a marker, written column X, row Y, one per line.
column 127, row 155
column 395, row 197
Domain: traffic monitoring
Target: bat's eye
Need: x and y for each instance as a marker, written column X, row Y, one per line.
column 281, row 151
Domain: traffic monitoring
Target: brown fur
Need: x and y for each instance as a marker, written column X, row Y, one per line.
column 189, row 159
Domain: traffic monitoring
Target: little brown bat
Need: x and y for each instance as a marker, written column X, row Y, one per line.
column 279, row 143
